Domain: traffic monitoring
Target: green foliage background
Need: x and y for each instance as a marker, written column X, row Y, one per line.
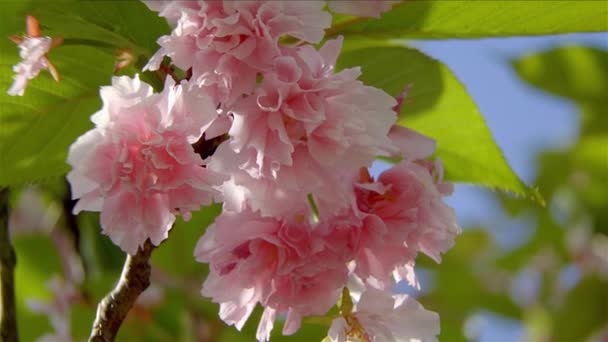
column 36, row 131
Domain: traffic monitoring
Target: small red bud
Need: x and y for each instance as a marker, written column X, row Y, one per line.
column 32, row 26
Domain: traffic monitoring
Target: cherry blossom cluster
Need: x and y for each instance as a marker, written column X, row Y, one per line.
column 302, row 218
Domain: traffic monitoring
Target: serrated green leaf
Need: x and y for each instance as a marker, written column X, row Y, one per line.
column 121, row 24
column 474, row 19
column 439, row 106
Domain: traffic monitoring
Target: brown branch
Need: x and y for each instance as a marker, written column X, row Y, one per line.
column 206, row 148
column 8, row 260
column 113, row 309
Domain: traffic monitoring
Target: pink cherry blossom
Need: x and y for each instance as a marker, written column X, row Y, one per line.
column 361, row 8
column 33, row 52
column 380, row 316
column 405, row 215
column 305, row 128
column 227, row 43
column 277, row 196
column 137, row 165
column 409, row 144
column 172, row 9
column 281, row 264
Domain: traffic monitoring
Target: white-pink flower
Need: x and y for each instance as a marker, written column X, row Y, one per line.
column 404, row 214
column 361, row 8
column 137, row 165
column 281, row 264
column 305, row 129
column 380, row 316
column 227, row 43
column 33, row 52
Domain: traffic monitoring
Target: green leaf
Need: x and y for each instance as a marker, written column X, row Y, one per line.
column 474, row 19
column 466, row 283
column 37, row 261
column 439, row 106
column 579, row 74
column 589, row 169
column 547, row 237
column 176, row 255
column 575, row 72
column 122, row 24
column 37, row 129
column 584, row 310
column 103, row 260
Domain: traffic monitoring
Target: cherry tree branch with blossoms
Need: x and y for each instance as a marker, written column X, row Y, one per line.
column 279, row 166
column 284, row 140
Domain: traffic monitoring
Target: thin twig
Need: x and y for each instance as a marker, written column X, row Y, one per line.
column 8, row 260
column 113, row 308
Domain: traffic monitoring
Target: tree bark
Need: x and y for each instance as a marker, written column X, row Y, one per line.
column 8, row 260
column 113, row 308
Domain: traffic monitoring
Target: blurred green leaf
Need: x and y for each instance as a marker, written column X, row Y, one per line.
column 466, row 282
column 575, row 72
column 548, row 237
column 589, row 178
column 37, row 261
column 474, row 19
column 81, row 317
column 584, row 310
column 172, row 317
column 580, row 74
column 101, row 257
column 590, row 166
column 439, row 106
column 307, row 333
column 176, row 255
